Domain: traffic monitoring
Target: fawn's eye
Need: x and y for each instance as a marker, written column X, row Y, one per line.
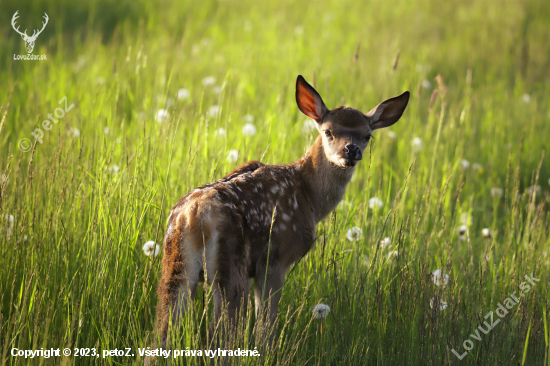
column 328, row 134
column 367, row 138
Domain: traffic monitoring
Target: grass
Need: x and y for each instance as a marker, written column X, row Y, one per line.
column 73, row 274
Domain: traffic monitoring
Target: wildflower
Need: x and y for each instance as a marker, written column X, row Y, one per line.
column 426, row 84
column 74, row 132
column 249, row 129
column 162, row 115
column 150, row 249
column 106, row 130
column 344, row 204
column 393, row 254
column 248, row 118
column 496, row 192
column 392, row 135
column 526, row 98
column 462, row 232
column 321, row 311
column 308, row 126
column 214, row 110
column 183, row 94
column 354, row 234
column 114, row 169
column 386, row 242
column 220, row 132
column 208, row 81
column 439, row 278
column 217, row 90
column 375, row 202
column 417, row 144
column 486, row 233
column 436, row 302
column 465, row 164
column 232, row 156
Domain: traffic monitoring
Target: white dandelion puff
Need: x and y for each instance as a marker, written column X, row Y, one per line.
column 534, row 189
column 248, row 118
column 465, row 164
column 366, row 260
column 214, row 110
column 299, row 30
column 392, row 135
column 74, row 132
column 354, row 234
column 386, row 242
column 150, row 249
column 321, row 311
column 417, row 144
column 249, row 129
column 10, row 220
column 435, row 302
column 183, row 94
column 375, row 203
column 486, row 233
column 497, row 192
column 393, row 254
column 439, row 278
column 217, row 90
column 208, row 81
column 526, row 98
column 232, row 156
column 114, row 169
column 162, row 115
column 426, row 84
column 220, row 132
column 106, row 130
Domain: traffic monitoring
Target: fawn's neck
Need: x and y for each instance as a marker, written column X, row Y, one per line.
column 325, row 182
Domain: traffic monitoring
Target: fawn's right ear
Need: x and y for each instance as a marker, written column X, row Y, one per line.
column 309, row 101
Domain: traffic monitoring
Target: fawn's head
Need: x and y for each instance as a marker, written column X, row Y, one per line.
column 346, row 131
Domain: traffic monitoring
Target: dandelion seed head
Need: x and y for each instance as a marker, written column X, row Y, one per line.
column 74, row 132
column 213, row 111
column 426, row 84
column 220, row 132
column 321, row 311
column 526, row 98
column 299, row 30
column 439, row 278
column 106, row 130
column 375, row 203
column 183, row 94
column 150, row 249
column 496, row 192
column 208, row 81
column 417, row 144
column 386, row 242
column 162, row 115
column 354, row 234
column 392, row 135
column 114, row 169
column 393, row 254
column 486, row 233
column 217, row 90
column 435, row 301
column 465, row 164
column 249, row 129
column 463, row 232
column 232, row 156
column 344, row 205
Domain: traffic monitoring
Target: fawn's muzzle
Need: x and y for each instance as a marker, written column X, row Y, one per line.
column 352, row 152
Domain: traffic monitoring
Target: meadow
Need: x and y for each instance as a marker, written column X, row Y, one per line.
column 172, row 95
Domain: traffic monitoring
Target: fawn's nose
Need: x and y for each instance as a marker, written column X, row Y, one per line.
column 352, row 152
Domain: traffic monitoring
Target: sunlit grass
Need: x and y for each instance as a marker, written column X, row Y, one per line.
column 73, row 272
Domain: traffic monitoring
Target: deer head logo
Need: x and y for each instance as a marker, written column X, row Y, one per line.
column 29, row 41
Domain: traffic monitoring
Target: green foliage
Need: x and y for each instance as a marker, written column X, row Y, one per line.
column 73, row 273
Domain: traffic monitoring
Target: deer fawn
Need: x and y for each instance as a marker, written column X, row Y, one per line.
column 225, row 228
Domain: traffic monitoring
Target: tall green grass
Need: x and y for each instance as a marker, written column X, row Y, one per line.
column 73, row 273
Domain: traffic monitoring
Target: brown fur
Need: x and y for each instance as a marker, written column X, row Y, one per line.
column 225, row 227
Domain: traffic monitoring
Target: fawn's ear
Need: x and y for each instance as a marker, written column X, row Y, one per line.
column 309, row 101
column 388, row 112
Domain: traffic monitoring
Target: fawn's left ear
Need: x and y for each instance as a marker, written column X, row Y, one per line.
column 309, row 101
column 388, row 112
